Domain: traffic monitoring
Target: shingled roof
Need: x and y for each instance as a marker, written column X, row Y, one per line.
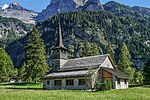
column 117, row 73
column 84, row 63
column 66, row 74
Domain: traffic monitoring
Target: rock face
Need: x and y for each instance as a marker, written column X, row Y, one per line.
column 15, row 10
column 16, row 6
column 12, row 29
column 92, row 5
column 121, row 9
column 69, row 5
column 142, row 10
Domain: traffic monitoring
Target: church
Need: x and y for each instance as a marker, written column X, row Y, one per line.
column 81, row 73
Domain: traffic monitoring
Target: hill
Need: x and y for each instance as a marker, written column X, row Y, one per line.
column 12, row 29
column 15, row 10
column 67, row 6
column 96, row 27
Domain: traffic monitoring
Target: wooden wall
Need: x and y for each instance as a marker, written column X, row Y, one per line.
column 106, row 75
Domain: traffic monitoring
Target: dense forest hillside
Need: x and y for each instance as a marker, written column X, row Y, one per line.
column 121, row 9
column 12, row 29
column 96, row 27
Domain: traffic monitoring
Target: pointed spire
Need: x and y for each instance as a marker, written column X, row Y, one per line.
column 59, row 43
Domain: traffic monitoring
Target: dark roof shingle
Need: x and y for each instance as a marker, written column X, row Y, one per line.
column 117, row 73
column 84, row 62
column 66, row 74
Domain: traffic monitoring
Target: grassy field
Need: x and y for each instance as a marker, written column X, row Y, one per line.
column 25, row 91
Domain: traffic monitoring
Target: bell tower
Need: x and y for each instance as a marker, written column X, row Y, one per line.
column 59, row 52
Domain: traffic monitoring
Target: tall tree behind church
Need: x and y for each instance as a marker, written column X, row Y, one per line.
column 110, row 51
column 35, row 64
column 125, row 63
column 90, row 49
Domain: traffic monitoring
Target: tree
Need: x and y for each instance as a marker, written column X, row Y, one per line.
column 138, row 78
column 35, row 64
column 88, row 77
column 94, row 49
column 90, row 49
column 21, row 72
column 86, row 51
column 125, row 63
column 6, row 66
column 110, row 51
column 146, row 72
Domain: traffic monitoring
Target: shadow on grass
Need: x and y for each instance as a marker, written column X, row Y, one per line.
column 19, row 84
column 16, row 88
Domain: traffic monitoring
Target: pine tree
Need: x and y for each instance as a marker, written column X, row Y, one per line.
column 6, row 66
column 110, row 51
column 146, row 72
column 125, row 63
column 90, row 49
column 35, row 65
column 94, row 50
column 86, row 50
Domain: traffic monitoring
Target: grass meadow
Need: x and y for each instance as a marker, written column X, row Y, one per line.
column 17, row 91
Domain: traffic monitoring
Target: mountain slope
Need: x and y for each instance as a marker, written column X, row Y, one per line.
column 12, row 29
column 118, row 9
column 96, row 27
column 69, row 5
column 121, row 9
column 142, row 10
column 15, row 10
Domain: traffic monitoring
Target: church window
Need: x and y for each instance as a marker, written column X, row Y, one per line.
column 57, row 82
column 125, row 81
column 47, row 82
column 81, row 81
column 118, row 81
column 70, row 82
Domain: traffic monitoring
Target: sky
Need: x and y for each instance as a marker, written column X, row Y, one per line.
column 39, row 5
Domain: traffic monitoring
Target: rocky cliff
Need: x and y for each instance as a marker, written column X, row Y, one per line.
column 15, row 10
column 142, row 10
column 69, row 5
column 12, row 29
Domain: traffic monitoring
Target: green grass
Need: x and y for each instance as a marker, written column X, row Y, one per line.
column 33, row 92
column 21, row 85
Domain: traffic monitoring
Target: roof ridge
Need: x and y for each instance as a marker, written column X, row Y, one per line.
column 89, row 57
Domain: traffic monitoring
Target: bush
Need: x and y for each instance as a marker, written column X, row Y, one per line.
column 106, row 85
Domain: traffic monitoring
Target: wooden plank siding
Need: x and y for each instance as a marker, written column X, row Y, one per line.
column 106, row 75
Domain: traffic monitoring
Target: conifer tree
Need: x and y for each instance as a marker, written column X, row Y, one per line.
column 146, row 72
column 125, row 63
column 86, row 51
column 90, row 49
column 6, row 66
column 110, row 51
column 35, row 64
column 94, row 50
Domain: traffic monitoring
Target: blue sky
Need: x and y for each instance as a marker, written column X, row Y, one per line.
column 39, row 5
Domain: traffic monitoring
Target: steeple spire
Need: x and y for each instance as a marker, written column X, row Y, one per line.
column 59, row 52
column 59, row 43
